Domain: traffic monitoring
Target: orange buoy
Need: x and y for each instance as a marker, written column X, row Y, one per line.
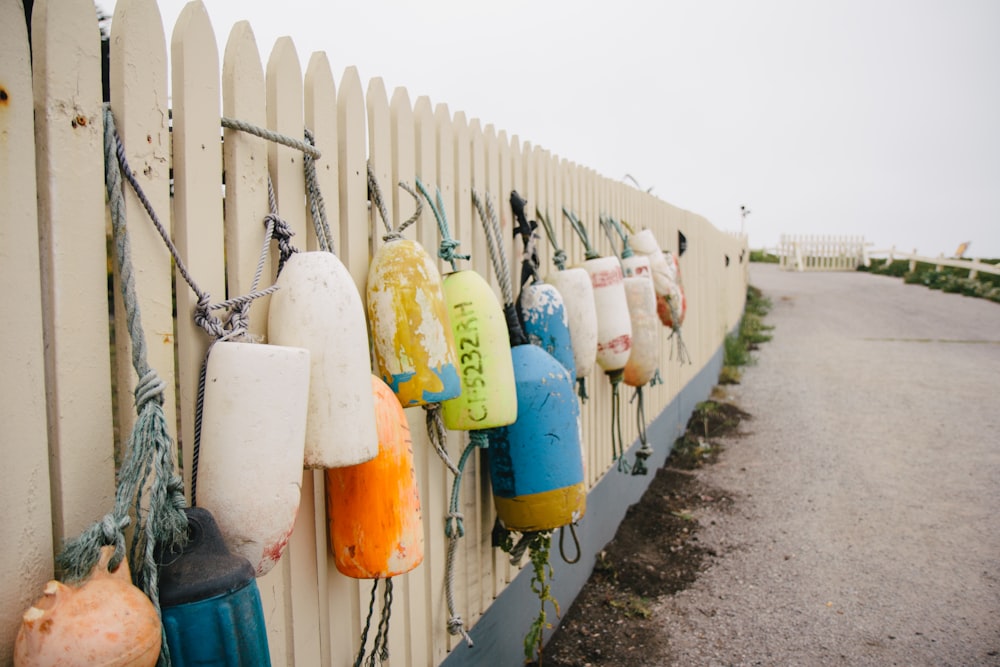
column 374, row 507
column 103, row 621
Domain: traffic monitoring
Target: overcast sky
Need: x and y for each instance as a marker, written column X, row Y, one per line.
column 866, row 117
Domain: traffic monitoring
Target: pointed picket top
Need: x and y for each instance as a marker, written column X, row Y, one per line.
column 352, row 150
column 425, row 146
column 197, row 169
column 403, row 151
column 285, row 116
column 380, row 158
column 476, row 242
column 138, row 76
column 245, row 159
column 320, row 105
column 446, row 162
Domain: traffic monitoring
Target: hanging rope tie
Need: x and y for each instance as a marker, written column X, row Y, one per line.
column 148, row 466
column 380, row 646
column 449, row 245
column 576, row 543
column 644, row 451
column 264, row 133
column 375, row 194
column 589, row 252
column 613, row 230
column 317, row 207
column 494, row 242
column 559, row 256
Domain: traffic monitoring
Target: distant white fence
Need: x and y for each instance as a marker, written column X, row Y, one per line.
column 58, row 441
column 821, row 253
column 973, row 266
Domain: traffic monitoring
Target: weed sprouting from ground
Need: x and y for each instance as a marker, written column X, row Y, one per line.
column 752, row 332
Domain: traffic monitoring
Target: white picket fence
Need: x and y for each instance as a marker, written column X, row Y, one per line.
column 820, row 253
column 973, row 265
column 59, row 413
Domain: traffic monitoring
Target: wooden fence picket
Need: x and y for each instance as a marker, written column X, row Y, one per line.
column 69, row 138
column 24, row 446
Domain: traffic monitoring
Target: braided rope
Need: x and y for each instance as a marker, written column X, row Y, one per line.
column 494, row 242
column 446, row 251
column 264, row 133
column 559, row 256
column 581, row 231
column 375, row 193
column 317, row 207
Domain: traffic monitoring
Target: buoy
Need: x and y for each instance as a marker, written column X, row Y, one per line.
column 252, row 443
column 414, row 347
column 211, row 607
column 540, row 306
column 676, row 301
column 641, row 296
column 543, row 317
column 373, row 508
column 614, row 328
column 488, row 397
column 536, row 463
column 318, row 308
column 105, row 621
column 578, row 296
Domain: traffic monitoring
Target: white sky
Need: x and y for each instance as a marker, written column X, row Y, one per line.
column 871, row 117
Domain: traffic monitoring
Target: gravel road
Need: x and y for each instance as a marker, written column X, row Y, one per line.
column 866, row 527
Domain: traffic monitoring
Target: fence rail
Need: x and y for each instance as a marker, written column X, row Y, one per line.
column 63, row 417
column 973, row 266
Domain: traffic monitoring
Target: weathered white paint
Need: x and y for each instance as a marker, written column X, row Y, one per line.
column 581, row 312
column 614, row 328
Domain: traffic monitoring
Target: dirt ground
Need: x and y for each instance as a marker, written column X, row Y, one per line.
column 852, row 521
column 656, row 552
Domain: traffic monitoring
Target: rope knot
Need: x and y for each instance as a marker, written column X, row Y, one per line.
column 282, row 233
column 150, row 387
column 559, row 258
column 204, row 318
column 446, row 250
column 456, row 626
column 454, row 525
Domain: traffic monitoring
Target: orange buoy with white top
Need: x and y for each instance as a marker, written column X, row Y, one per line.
column 373, row 508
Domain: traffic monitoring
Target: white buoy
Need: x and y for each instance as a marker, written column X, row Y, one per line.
column 614, row 328
column 578, row 298
column 644, row 243
column 318, row 307
column 644, row 358
column 252, row 443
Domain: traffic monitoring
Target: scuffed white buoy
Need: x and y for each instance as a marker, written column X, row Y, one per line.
column 252, row 444
column 318, row 308
column 614, row 328
column 644, row 358
column 578, row 298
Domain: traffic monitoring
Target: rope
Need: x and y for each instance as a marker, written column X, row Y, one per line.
column 148, row 465
column 581, row 389
column 559, row 257
column 264, row 133
column 317, row 207
column 454, row 529
column 494, row 242
column 368, row 622
column 448, row 244
column 375, row 193
column 576, row 542
column 645, row 451
column 611, row 229
column 617, row 441
column 578, row 227
column 239, row 323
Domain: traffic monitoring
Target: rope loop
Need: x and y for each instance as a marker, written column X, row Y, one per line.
column 559, row 255
column 150, row 387
column 581, row 231
column 446, row 250
column 264, row 133
column 317, row 207
column 576, row 543
column 375, row 194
